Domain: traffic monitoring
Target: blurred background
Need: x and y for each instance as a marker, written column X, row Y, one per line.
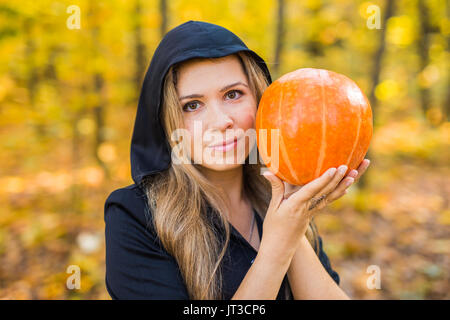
column 70, row 77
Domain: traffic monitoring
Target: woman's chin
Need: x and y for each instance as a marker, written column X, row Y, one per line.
column 221, row 166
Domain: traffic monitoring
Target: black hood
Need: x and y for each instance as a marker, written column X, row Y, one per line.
column 150, row 150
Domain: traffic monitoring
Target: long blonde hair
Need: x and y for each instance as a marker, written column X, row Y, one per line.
column 179, row 198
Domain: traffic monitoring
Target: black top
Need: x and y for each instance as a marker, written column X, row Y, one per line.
column 138, row 267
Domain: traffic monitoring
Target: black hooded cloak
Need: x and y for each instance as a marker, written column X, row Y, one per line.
column 137, row 265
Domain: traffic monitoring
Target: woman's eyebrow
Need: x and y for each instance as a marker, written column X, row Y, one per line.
column 221, row 90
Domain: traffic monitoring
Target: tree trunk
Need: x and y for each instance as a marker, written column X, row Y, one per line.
column 279, row 39
column 446, row 108
column 388, row 12
column 100, row 107
column 99, row 116
column 424, row 46
column 140, row 62
column 163, row 12
column 376, row 69
column 33, row 79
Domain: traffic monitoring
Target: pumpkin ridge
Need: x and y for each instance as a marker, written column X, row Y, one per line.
column 323, row 144
column 284, row 152
column 355, row 143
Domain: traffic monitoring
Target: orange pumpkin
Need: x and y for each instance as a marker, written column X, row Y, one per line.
column 324, row 121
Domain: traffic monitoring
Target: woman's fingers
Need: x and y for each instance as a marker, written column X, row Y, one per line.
column 351, row 178
column 311, row 189
column 362, row 168
column 330, row 186
column 341, row 189
column 355, row 174
column 323, row 196
column 336, row 179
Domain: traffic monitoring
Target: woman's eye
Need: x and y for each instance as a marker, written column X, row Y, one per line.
column 189, row 106
column 233, row 94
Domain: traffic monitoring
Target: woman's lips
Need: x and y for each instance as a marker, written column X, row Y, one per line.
column 226, row 147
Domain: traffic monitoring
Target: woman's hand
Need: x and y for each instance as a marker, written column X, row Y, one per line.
column 290, row 212
column 287, row 219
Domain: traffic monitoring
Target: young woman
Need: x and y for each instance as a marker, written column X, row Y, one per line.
column 208, row 224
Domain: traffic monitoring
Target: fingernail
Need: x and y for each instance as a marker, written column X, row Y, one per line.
column 332, row 172
column 349, row 182
column 342, row 169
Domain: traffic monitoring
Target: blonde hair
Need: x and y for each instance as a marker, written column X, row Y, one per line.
column 179, row 198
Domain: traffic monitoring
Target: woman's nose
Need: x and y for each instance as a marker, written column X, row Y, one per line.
column 219, row 119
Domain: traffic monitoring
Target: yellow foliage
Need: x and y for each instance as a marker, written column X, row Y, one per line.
column 400, row 31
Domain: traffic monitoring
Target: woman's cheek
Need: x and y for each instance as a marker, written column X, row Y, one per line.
column 248, row 121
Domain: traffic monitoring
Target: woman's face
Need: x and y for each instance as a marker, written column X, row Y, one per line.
column 218, row 106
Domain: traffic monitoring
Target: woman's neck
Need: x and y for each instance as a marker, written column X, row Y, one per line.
column 232, row 182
